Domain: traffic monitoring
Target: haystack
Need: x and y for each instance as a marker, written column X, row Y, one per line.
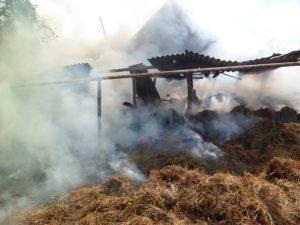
column 175, row 195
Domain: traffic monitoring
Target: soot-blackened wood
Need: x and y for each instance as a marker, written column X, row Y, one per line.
column 221, row 69
column 190, row 87
column 99, row 108
column 134, row 93
column 143, row 87
column 147, row 91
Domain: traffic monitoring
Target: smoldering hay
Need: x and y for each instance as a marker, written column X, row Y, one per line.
column 48, row 135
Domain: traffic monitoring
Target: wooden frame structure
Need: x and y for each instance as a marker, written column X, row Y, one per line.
column 141, row 70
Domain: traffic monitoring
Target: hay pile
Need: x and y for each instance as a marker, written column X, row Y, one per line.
column 249, row 152
column 266, row 140
column 257, row 181
column 148, row 157
column 175, row 195
column 285, row 115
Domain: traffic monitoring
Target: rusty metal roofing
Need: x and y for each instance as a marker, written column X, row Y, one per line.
column 191, row 60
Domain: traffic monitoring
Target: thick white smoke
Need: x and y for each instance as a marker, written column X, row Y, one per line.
column 48, row 134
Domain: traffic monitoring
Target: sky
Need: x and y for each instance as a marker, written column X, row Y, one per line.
column 77, row 16
column 243, row 29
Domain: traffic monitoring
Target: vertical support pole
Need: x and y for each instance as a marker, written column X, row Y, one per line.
column 190, row 87
column 171, row 118
column 99, row 106
column 134, row 92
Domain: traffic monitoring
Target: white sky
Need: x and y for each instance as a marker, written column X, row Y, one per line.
column 82, row 17
column 243, row 28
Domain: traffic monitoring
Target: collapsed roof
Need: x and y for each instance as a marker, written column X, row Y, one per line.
column 191, row 60
column 170, row 30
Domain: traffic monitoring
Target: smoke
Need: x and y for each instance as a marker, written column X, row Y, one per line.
column 226, row 126
column 47, row 134
column 48, row 140
column 273, row 89
column 235, row 30
column 248, row 30
column 169, row 31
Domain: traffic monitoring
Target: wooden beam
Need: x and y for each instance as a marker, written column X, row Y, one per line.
column 134, row 92
column 165, row 74
column 171, row 118
column 190, row 87
column 99, row 108
column 202, row 70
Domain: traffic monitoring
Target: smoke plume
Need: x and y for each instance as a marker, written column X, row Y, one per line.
column 49, row 141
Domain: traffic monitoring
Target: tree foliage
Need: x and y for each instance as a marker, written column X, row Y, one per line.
column 20, row 13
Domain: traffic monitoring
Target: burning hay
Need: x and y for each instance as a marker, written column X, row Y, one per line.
column 63, row 131
column 175, row 195
column 147, row 158
column 256, row 181
column 267, row 139
column 248, row 152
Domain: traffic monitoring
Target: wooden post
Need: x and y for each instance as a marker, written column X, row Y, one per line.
column 171, row 118
column 134, row 92
column 99, row 106
column 189, row 78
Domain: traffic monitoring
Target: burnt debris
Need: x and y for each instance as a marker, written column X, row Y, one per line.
column 144, row 87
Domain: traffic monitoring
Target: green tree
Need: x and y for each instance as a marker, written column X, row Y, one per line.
column 15, row 13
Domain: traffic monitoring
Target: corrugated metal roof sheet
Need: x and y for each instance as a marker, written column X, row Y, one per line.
column 191, row 60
